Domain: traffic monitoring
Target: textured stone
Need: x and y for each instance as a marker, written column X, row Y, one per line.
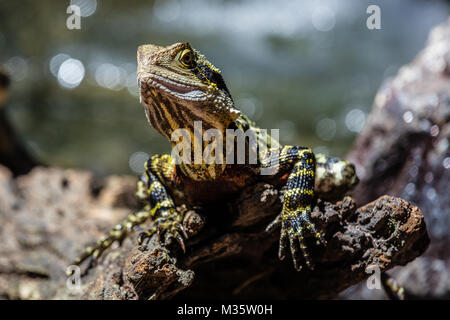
column 403, row 151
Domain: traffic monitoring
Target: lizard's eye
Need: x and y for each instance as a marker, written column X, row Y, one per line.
column 187, row 58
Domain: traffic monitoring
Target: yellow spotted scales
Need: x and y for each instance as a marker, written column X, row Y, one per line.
column 179, row 87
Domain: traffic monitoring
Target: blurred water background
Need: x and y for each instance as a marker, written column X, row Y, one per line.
column 310, row 68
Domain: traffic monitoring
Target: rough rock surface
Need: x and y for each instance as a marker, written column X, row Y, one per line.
column 43, row 218
column 51, row 214
column 403, row 151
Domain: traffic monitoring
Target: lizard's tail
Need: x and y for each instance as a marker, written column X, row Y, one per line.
column 116, row 234
column 392, row 288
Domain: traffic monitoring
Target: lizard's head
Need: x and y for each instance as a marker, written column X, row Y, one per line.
column 179, row 86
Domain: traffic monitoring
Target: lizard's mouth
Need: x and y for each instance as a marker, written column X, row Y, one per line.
column 180, row 90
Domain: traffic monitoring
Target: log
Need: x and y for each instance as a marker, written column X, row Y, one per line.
column 49, row 215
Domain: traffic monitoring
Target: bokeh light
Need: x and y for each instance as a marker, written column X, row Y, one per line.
column 71, row 72
column 137, row 161
column 355, row 120
column 446, row 163
column 326, row 129
column 410, row 189
column 323, row 18
column 434, row 130
column 87, row 7
column 408, row 117
column 56, row 61
column 110, row 76
column 17, row 67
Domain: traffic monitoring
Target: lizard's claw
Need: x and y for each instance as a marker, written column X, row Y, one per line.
column 293, row 226
column 169, row 225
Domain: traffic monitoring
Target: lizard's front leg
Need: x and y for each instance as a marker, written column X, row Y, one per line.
column 157, row 204
column 297, row 202
column 167, row 220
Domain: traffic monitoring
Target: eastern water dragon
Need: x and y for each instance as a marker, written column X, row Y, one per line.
column 180, row 87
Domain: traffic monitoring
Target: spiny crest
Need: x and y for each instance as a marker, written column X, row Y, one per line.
column 206, row 72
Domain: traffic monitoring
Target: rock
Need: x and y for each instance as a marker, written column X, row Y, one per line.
column 49, row 215
column 46, row 218
column 403, row 151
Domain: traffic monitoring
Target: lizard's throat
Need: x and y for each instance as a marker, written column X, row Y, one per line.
column 172, row 119
column 167, row 113
column 196, row 147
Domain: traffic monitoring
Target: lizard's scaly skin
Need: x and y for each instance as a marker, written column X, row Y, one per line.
column 178, row 87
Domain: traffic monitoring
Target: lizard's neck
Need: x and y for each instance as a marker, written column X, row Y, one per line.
column 207, row 149
column 213, row 152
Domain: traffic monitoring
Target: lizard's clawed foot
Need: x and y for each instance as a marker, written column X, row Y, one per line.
column 293, row 227
column 169, row 225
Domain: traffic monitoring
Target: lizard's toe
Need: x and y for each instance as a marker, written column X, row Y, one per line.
column 174, row 234
column 167, row 225
column 293, row 227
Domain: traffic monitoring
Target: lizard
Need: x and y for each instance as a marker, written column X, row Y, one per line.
column 179, row 87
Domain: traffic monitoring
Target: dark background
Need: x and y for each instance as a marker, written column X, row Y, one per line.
column 309, row 68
